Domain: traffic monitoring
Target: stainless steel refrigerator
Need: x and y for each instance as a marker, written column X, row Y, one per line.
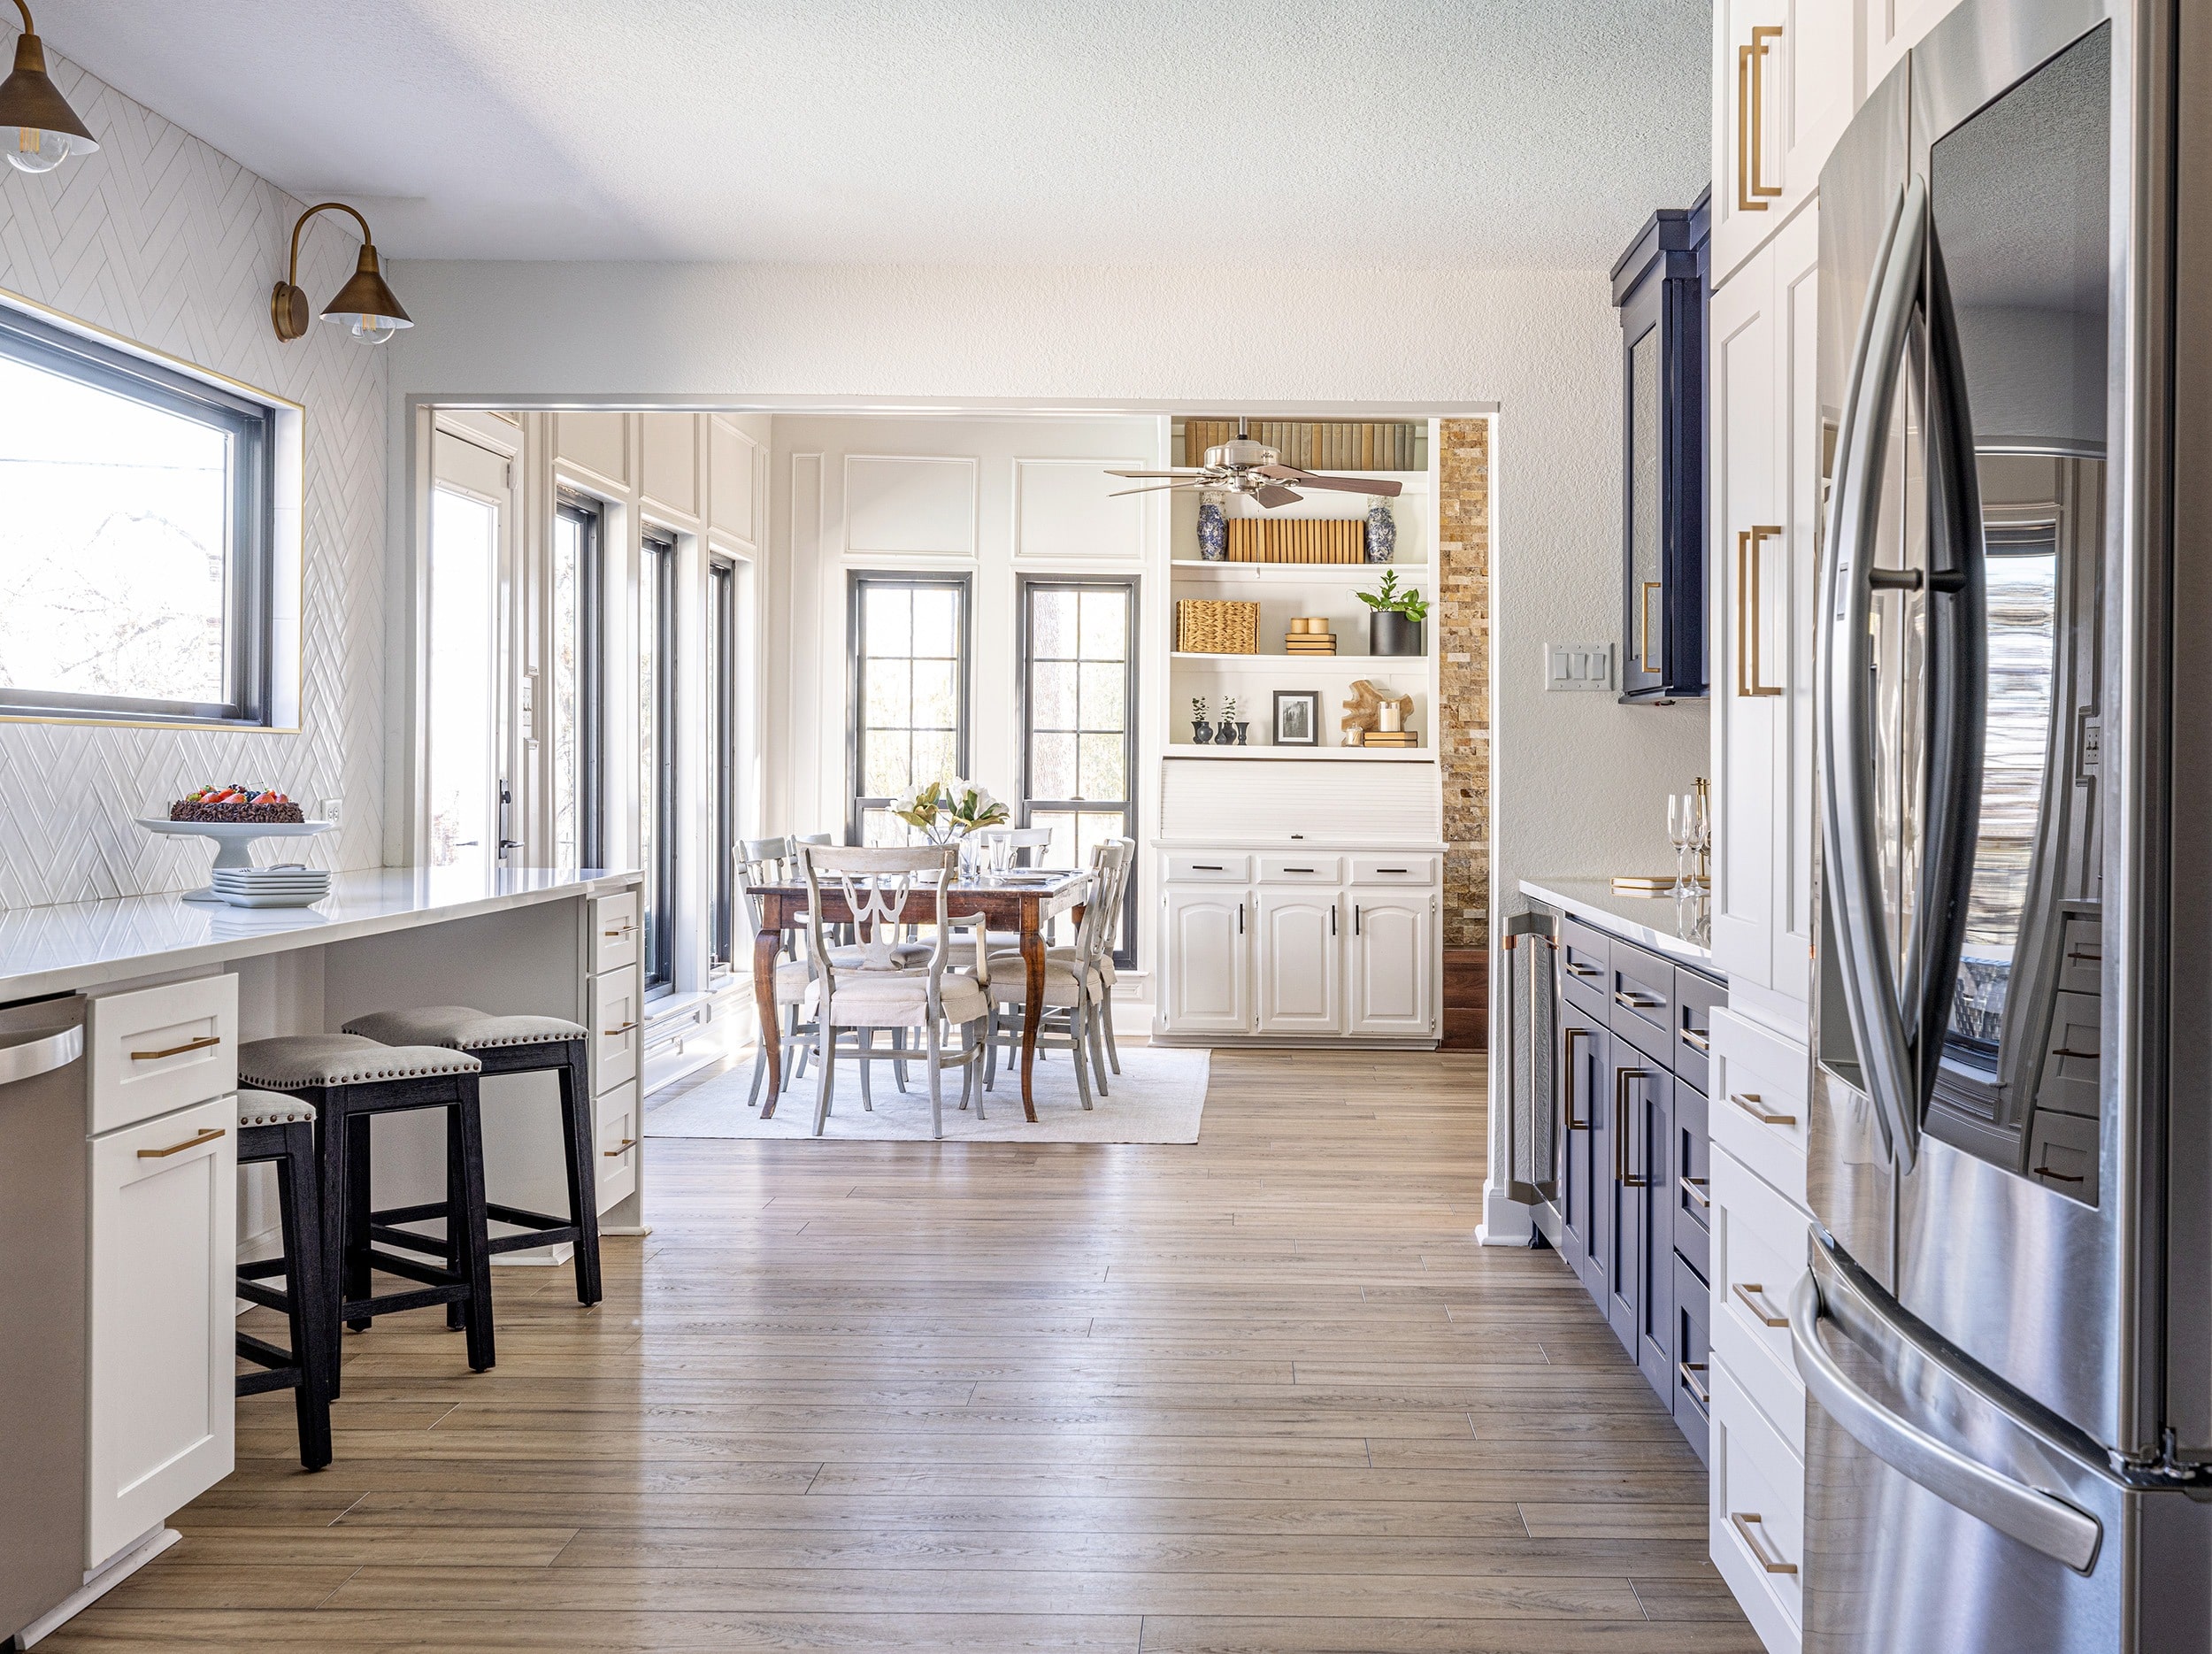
column 2006, row 1328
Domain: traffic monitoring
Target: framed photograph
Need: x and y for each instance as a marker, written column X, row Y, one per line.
column 1297, row 718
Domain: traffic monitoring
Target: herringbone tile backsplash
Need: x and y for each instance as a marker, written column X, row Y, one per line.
column 170, row 242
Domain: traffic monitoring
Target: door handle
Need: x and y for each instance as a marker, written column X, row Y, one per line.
column 1751, row 612
column 1644, row 661
column 2038, row 1521
column 1748, row 1102
column 200, row 1044
column 1751, row 1528
column 1332, row 918
column 1755, row 1298
column 1761, row 192
column 208, row 1135
column 1570, row 1037
column 1751, row 191
column 1621, row 1173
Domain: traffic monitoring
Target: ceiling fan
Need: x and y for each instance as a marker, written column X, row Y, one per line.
column 1244, row 466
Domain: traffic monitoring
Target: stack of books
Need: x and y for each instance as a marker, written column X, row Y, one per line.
column 1309, row 634
column 1324, row 445
column 1297, row 540
column 1390, row 738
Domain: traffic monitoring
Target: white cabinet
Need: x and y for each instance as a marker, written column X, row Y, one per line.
column 1209, row 978
column 164, row 1247
column 1894, row 28
column 1393, row 949
column 1788, row 74
column 1300, row 983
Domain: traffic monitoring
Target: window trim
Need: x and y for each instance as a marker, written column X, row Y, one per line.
column 1126, row 954
column 659, row 958
column 722, row 708
column 249, row 558
column 857, row 584
column 590, row 513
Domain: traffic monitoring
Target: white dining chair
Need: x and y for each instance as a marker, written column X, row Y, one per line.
column 1075, row 988
column 768, row 861
column 877, row 989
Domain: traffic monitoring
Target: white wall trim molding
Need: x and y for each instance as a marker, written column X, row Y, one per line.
column 910, row 505
column 1067, row 513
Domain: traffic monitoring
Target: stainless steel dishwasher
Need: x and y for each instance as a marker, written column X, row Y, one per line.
column 42, row 1261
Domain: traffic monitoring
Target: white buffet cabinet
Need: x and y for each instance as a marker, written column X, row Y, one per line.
column 121, row 1193
column 1283, row 945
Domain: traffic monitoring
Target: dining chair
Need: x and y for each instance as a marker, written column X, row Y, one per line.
column 769, row 861
column 1075, row 988
column 1026, row 843
column 880, row 990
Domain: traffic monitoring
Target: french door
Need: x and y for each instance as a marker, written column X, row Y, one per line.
column 466, row 723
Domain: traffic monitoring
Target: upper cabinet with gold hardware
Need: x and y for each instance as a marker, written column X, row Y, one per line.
column 1787, row 75
column 1659, row 286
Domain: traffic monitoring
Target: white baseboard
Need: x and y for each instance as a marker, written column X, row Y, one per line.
column 98, row 1583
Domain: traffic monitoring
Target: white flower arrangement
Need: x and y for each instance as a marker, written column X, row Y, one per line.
column 949, row 809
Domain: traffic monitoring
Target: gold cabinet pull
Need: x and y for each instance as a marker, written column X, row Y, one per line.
column 1573, row 969
column 1643, row 625
column 208, row 1135
column 1754, row 1299
column 1621, row 1173
column 1752, row 1532
column 628, row 1143
column 1695, row 1040
column 1689, row 1370
column 1745, row 203
column 1750, row 612
column 1748, row 1102
column 1572, row 1034
column 1629, row 999
column 1761, row 37
column 623, row 929
column 1695, row 1187
column 609, row 1033
column 200, row 1044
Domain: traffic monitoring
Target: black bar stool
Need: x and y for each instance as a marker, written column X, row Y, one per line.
column 280, row 1131
column 516, row 1045
column 349, row 1080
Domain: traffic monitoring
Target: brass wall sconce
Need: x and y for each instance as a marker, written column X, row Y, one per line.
column 364, row 307
column 47, row 130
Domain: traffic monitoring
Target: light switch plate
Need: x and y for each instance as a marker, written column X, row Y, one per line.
column 1572, row 668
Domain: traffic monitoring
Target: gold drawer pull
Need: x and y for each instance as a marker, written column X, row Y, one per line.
column 1572, row 969
column 1750, row 612
column 1695, row 1187
column 1695, row 1040
column 628, row 1143
column 1748, row 1102
column 1629, row 999
column 1689, row 1370
column 609, row 1033
column 208, row 1135
column 625, row 928
column 2055, row 1177
column 1754, row 1299
column 200, row 1044
column 1745, row 1522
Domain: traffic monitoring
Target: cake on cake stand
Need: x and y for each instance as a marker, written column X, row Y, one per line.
column 234, row 841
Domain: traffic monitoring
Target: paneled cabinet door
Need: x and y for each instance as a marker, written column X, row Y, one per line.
column 1633, row 1085
column 1894, row 28
column 1209, row 978
column 1747, row 529
column 164, row 1243
column 1301, row 990
column 1651, row 1101
column 1788, row 596
column 1788, row 76
column 1394, row 971
column 1584, row 1136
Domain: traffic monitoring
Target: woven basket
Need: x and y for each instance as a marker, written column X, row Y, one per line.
column 1211, row 626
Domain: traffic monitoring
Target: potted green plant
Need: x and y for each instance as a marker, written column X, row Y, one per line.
column 1394, row 617
column 1202, row 733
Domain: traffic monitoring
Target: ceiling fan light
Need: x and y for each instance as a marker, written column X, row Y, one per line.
column 45, row 130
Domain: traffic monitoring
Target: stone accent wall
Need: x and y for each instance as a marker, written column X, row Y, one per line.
column 1462, row 611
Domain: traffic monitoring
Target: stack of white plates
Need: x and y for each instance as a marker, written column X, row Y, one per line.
column 287, row 886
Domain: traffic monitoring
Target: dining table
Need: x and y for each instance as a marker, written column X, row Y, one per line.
column 1023, row 902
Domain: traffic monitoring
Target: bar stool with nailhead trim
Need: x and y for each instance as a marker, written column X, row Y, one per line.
column 280, row 1131
column 349, row 1080
column 515, row 1045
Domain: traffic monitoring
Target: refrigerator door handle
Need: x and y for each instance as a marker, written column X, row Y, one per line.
column 2044, row 1524
column 1871, row 998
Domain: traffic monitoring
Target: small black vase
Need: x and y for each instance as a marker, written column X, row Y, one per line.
column 1243, row 729
column 1224, row 733
column 1390, row 632
column 1202, row 733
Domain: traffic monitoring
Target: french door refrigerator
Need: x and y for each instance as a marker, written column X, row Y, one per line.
column 2006, row 1327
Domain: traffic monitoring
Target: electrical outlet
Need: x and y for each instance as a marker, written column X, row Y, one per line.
column 330, row 810
column 1578, row 668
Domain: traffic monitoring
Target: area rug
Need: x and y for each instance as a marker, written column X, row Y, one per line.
column 1159, row 1096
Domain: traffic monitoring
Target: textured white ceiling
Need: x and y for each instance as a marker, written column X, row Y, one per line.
column 1495, row 132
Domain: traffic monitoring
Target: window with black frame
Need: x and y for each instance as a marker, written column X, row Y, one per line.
column 722, row 702
column 908, row 692
column 575, row 688
column 1079, row 690
column 136, row 541
column 658, row 747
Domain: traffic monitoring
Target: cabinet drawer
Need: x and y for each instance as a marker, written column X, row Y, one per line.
column 1394, row 870
column 1758, row 1254
column 1693, row 1191
column 1695, row 999
column 1210, row 867
column 160, row 1421
column 1758, row 1101
column 614, row 931
column 1300, row 869
column 1757, row 1515
column 617, row 1011
column 2081, row 955
column 1584, row 957
column 1640, row 994
column 161, row 1048
column 617, row 1115
column 1693, row 1397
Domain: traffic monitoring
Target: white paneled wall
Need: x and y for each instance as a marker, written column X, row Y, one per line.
column 170, row 243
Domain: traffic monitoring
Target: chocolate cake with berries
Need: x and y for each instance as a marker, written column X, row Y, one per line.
column 235, row 803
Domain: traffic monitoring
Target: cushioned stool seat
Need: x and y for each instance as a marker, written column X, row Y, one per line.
column 276, row 1130
column 516, row 1045
column 304, row 1062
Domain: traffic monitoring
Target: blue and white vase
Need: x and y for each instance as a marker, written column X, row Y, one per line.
column 1382, row 530
column 1213, row 529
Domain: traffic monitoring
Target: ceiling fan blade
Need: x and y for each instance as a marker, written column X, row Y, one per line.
column 1272, row 494
column 1156, row 488
column 1181, row 471
column 1344, row 485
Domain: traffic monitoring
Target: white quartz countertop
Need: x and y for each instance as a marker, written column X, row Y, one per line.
column 83, row 944
column 1657, row 922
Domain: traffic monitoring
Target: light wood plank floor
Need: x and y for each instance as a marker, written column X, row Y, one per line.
column 1262, row 1394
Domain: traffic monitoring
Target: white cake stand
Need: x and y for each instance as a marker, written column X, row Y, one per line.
column 234, row 841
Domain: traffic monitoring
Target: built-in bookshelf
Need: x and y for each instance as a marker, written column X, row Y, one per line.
column 1373, row 446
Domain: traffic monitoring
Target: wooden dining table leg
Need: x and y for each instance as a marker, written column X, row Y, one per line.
column 1032, row 1001
column 767, row 943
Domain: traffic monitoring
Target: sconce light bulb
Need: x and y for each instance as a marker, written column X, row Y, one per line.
column 37, row 150
column 368, row 329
